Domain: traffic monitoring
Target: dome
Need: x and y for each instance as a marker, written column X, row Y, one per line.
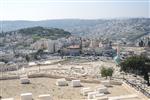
column 117, row 59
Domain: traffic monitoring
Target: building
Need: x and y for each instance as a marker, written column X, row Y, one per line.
column 51, row 46
column 94, row 43
column 41, row 44
column 47, row 44
column 72, row 50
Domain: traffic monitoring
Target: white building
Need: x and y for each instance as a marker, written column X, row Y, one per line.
column 51, row 46
column 41, row 44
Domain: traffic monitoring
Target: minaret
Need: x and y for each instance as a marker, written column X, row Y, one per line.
column 117, row 58
column 118, row 49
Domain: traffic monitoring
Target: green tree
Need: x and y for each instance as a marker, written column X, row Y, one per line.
column 61, row 52
column 141, row 43
column 105, row 72
column 148, row 43
column 4, row 60
column 35, row 57
column 110, row 72
column 136, row 65
column 39, row 52
column 27, row 58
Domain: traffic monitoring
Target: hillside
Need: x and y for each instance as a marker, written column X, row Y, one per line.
column 130, row 29
column 41, row 32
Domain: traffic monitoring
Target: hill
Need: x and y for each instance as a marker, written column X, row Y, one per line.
column 39, row 32
column 129, row 29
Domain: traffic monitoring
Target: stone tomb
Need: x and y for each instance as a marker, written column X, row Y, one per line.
column 75, row 83
column 61, row 82
column 45, row 97
column 26, row 96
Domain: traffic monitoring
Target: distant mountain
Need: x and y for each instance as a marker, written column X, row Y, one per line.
column 130, row 29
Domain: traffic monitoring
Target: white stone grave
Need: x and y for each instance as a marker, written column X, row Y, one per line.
column 75, row 83
column 102, row 90
column 7, row 99
column 85, row 91
column 61, row 82
column 26, row 96
column 106, row 83
column 45, row 97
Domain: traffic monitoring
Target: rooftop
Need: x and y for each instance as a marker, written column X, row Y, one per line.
column 74, row 47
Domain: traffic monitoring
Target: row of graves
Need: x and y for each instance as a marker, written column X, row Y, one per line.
column 98, row 93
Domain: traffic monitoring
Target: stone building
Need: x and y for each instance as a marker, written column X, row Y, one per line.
column 72, row 50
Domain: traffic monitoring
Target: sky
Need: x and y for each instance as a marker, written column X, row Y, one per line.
column 73, row 9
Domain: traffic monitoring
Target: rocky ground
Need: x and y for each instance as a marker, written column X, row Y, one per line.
column 13, row 88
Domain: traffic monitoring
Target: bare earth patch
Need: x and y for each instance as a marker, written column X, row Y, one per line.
column 13, row 88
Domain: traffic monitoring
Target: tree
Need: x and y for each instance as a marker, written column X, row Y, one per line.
column 105, row 72
column 61, row 52
column 27, row 58
column 110, row 72
column 39, row 52
column 35, row 56
column 148, row 43
column 141, row 43
column 136, row 65
column 4, row 60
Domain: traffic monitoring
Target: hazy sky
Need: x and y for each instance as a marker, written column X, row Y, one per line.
column 62, row 9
